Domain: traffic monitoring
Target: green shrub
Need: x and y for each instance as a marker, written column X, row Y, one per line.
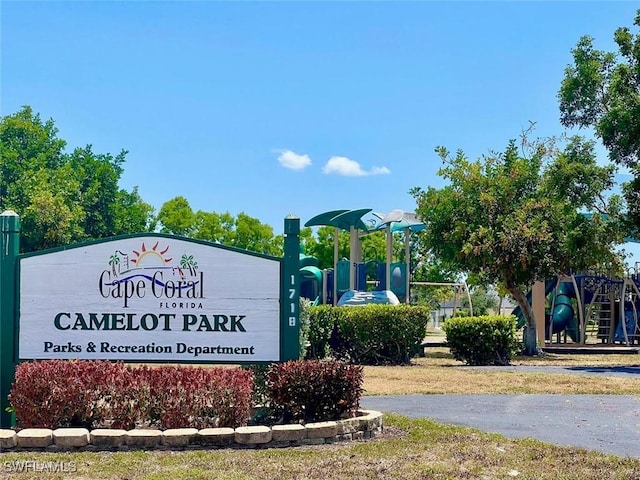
column 314, row 391
column 486, row 340
column 368, row 334
column 380, row 334
column 322, row 322
column 305, row 314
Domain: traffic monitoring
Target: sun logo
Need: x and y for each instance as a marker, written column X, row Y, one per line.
column 150, row 257
column 146, row 258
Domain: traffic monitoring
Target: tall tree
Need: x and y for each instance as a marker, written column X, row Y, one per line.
column 243, row 231
column 51, row 214
column 62, row 197
column 323, row 246
column 601, row 89
column 98, row 176
column 214, row 227
column 27, row 144
column 513, row 218
column 251, row 234
column 176, row 217
column 132, row 213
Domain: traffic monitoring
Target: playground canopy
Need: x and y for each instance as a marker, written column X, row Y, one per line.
column 398, row 220
column 351, row 220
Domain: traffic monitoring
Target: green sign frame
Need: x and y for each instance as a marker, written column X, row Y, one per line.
column 10, row 260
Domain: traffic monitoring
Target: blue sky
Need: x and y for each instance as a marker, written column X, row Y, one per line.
column 274, row 108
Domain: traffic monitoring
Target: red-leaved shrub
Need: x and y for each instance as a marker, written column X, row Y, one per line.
column 199, row 397
column 58, row 393
column 62, row 393
column 315, row 391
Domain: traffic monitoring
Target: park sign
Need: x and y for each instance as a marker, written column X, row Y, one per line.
column 147, row 298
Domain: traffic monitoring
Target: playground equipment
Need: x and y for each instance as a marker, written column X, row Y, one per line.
column 353, row 274
column 353, row 281
column 591, row 308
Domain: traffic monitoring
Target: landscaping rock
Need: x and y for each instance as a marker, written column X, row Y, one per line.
column 105, row 437
column 322, row 429
column 288, row 433
column 71, row 437
column 35, row 437
column 143, row 438
column 253, row 435
column 216, row 436
column 8, row 438
column 179, row 437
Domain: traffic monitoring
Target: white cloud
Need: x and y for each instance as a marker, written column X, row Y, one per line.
column 379, row 171
column 293, row 160
column 350, row 168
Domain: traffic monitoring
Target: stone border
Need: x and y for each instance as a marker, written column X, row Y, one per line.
column 367, row 425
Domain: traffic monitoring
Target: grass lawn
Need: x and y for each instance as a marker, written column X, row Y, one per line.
column 408, row 449
column 438, row 372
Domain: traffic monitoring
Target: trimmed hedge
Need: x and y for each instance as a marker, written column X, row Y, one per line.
column 323, row 320
column 368, row 334
column 83, row 393
column 100, row 394
column 314, row 391
column 485, row 340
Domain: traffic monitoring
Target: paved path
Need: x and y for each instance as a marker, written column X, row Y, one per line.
column 606, row 423
column 625, row 371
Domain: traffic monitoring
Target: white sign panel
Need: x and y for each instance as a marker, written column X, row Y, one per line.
column 150, row 298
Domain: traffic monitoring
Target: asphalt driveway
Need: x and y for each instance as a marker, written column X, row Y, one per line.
column 606, row 423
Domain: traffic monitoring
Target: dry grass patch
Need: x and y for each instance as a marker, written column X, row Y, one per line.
column 440, row 373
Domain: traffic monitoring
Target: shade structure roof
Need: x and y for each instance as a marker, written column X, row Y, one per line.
column 399, row 220
column 343, row 219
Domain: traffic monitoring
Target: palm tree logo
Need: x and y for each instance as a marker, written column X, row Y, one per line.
column 114, row 260
column 187, row 261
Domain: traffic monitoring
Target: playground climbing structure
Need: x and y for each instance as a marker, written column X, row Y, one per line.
column 591, row 308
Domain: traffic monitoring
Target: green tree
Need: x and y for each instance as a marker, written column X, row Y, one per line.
column 482, row 300
column 214, row 227
column 251, row 234
column 36, row 182
column 176, row 217
column 601, row 89
column 27, row 145
column 374, row 247
column 62, row 197
column 323, row 246
column 132, row 214
column 243, row 231
column 513, row 218
column 51, row 214
column 98, row 176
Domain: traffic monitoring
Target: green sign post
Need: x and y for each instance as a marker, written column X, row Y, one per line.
column 290, row 291
column 9, row 244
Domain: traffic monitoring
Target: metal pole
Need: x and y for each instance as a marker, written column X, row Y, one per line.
column 407, row 257
column 387, row 280
column 336, row 252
